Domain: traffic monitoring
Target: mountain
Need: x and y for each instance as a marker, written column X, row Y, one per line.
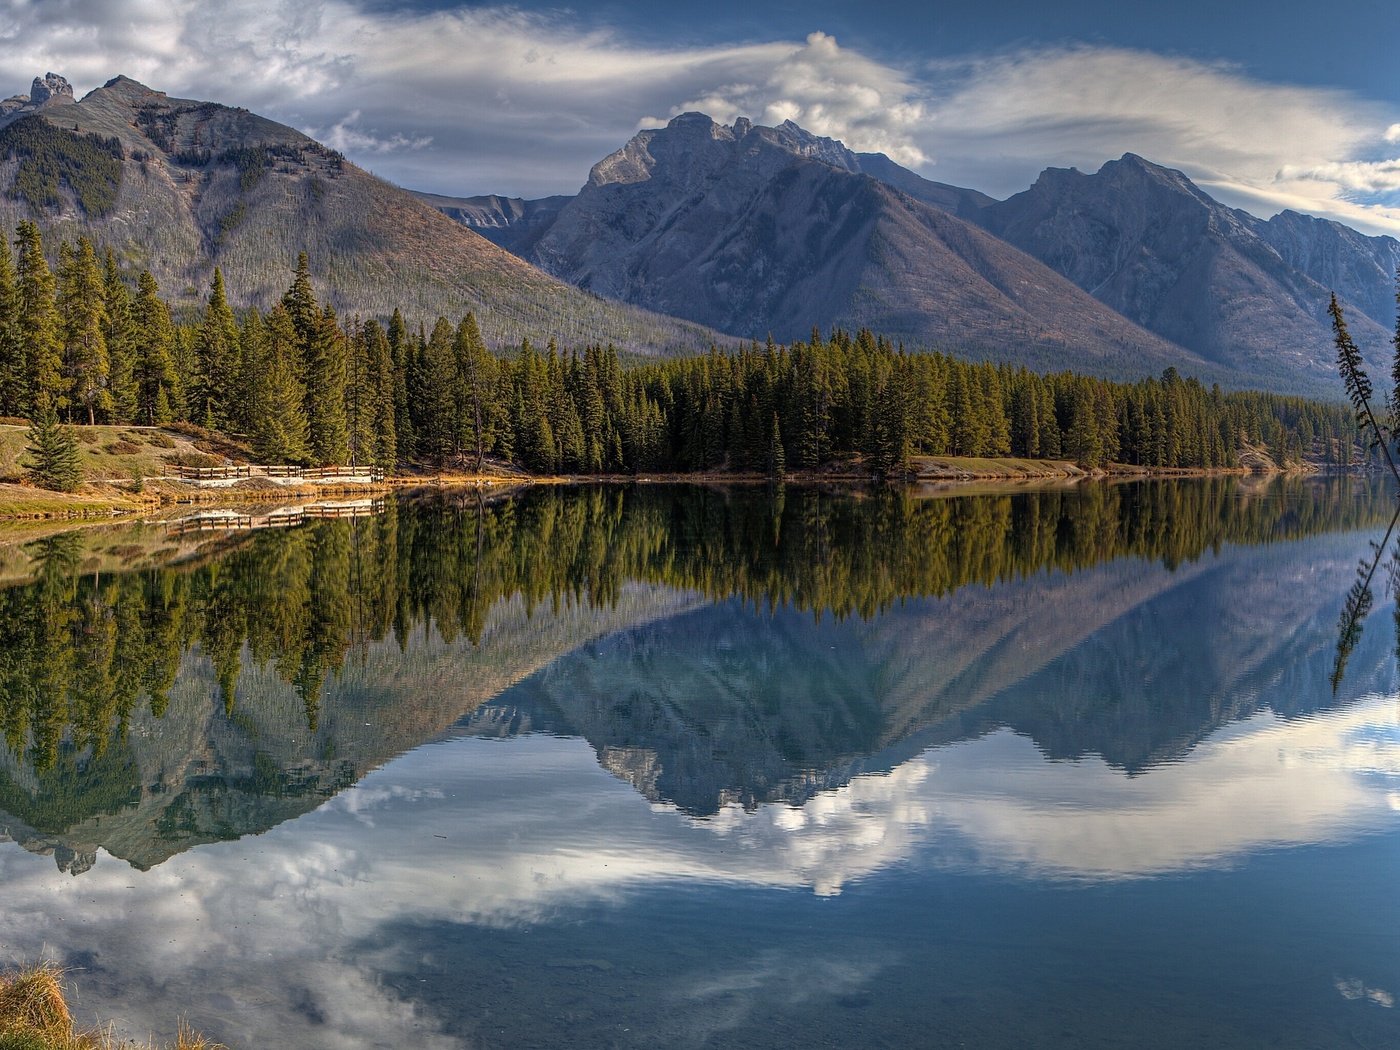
column 179, row 186
column 1359, row 268
column 514, row 224
column 1246, row 294
column 754, row 230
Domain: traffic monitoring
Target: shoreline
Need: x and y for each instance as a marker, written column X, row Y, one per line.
column 98, row 502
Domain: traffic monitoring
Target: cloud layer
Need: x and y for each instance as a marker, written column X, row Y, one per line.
column 482, row 99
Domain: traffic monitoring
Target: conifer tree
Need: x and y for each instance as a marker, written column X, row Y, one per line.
column 278, row 424
column 382, row 380
column 400, row 355
column 476, row 382
column 158, row 393
column 437, row 429
column 11, row 350
column 39, row 331
column 119, row 335
column 82, row 307
column 325, row 373
column 217, row 364
column 52, row 450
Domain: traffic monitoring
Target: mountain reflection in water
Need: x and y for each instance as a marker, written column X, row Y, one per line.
column 600, row 699
column 713, row 647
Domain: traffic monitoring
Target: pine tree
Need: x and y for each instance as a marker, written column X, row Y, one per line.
column 83, row 310
column 360, row 394
column 11, row 349
column 381, row 378
column 158, row 395
column 54, row 461
column 476, row 380
column 39, row 331
column 119, row 335
column 400, row 355
column 217, row 366
column 278, row 430
column 325, row 373
column 437, row 430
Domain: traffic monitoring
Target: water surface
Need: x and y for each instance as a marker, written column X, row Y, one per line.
column 628, row 767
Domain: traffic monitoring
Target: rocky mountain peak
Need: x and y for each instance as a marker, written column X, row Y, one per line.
column 50, row 86
column 694, row 122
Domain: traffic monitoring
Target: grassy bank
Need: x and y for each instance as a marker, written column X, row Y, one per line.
column 125, row 470
column 34, row 1015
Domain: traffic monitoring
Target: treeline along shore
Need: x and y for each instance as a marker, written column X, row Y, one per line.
column 86, row 342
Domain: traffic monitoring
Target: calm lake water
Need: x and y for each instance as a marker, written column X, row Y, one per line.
column 682, row 767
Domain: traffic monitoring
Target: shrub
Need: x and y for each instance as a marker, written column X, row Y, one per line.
column 194, row 459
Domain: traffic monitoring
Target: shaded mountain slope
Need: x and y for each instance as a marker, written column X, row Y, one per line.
column 755, row 230
column 179, row 186
column 1246, row 294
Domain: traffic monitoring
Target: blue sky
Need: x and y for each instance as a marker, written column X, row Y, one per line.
column 1266, row 105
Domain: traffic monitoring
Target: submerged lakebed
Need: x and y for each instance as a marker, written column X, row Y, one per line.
column 622, row 767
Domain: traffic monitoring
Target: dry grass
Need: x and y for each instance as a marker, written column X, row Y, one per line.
column 34, row 1015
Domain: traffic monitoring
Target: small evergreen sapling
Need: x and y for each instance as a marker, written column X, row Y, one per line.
column 53, row 450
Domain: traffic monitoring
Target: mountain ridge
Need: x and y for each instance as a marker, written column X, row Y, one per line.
column 179, row 186
column 1243, row 298
column 756, row 231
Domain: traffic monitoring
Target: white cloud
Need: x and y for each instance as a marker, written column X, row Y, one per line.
column 494, row 99
column 996, row 122
column 344, row 136
column 262, row 939
column 829, row 91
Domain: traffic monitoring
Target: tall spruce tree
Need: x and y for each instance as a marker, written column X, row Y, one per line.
column 278, row 425
column 476, row 369
column 83, row 310
column 119, row 334
column 158, row 393
column 11, row 349
column 381, row 378
column 39, row 330
column 325, row 373
column 218, row 368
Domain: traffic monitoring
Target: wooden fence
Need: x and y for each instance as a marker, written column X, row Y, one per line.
column 252, row 470
column 279, row 518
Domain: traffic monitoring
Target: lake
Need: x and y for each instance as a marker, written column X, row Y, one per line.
column 629, row 767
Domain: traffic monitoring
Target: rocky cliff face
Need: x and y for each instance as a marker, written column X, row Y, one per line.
column 1147, row 242
column 1359, row 268
column 510, row 222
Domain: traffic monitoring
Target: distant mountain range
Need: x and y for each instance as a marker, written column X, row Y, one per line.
column 701, row 232
column 751, row 230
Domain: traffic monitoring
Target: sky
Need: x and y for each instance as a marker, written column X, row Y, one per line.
column 1267, row 106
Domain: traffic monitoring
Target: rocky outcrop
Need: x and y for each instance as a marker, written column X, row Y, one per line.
column 50, row 87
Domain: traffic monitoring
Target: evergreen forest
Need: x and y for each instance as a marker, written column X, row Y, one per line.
column 87, row 343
